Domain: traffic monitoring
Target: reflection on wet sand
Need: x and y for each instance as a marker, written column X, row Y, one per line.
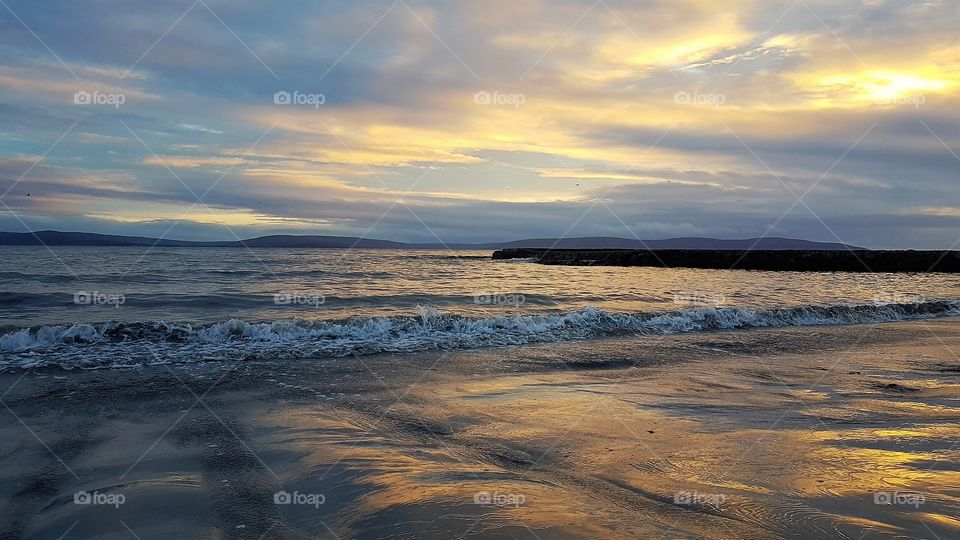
column 765, row 434
column 776, row 450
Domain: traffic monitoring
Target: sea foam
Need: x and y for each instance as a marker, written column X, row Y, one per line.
column 121, row 343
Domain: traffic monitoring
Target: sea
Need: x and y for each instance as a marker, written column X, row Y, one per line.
column 310, row 393
column 111, row 307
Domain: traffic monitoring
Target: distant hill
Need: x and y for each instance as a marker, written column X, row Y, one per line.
column 292, row 241
column 773, row 243
column 57, row 238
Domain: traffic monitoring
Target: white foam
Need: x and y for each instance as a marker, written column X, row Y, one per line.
column 86, row 344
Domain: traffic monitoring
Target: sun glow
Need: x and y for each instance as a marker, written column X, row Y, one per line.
column 883, row 86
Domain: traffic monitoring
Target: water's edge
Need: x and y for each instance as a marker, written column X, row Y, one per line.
column 125, row 343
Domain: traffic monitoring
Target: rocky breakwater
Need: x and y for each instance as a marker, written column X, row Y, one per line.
column 776, row 260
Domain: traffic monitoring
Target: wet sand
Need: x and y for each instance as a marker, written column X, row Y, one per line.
column 755, row 434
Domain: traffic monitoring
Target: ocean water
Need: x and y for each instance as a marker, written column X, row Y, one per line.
column 109, row 307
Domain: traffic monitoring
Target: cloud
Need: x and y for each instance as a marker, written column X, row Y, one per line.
column 657, row 119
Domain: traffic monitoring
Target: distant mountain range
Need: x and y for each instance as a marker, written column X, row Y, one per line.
column 57, row 238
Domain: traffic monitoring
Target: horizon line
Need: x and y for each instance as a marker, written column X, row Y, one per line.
column 441, row 243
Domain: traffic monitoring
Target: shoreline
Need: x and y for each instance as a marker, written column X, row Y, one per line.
column 769, row 260
column 762, row 434
column 103, row 344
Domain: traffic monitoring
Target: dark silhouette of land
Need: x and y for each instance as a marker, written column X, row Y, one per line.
column 57, row 238
column 805, row 260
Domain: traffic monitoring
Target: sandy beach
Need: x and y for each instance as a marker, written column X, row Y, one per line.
column 844, row 432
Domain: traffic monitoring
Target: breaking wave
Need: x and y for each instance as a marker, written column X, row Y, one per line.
column 138, row 343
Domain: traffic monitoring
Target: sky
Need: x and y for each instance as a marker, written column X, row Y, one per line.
column 472, row 121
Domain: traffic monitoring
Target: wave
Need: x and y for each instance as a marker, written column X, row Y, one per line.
column 122, row 343
column 300, row 273
column 10, row 299
column 159, row 277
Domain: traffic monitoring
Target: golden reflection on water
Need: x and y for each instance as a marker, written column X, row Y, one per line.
column 608, row 456
column 428, row 473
